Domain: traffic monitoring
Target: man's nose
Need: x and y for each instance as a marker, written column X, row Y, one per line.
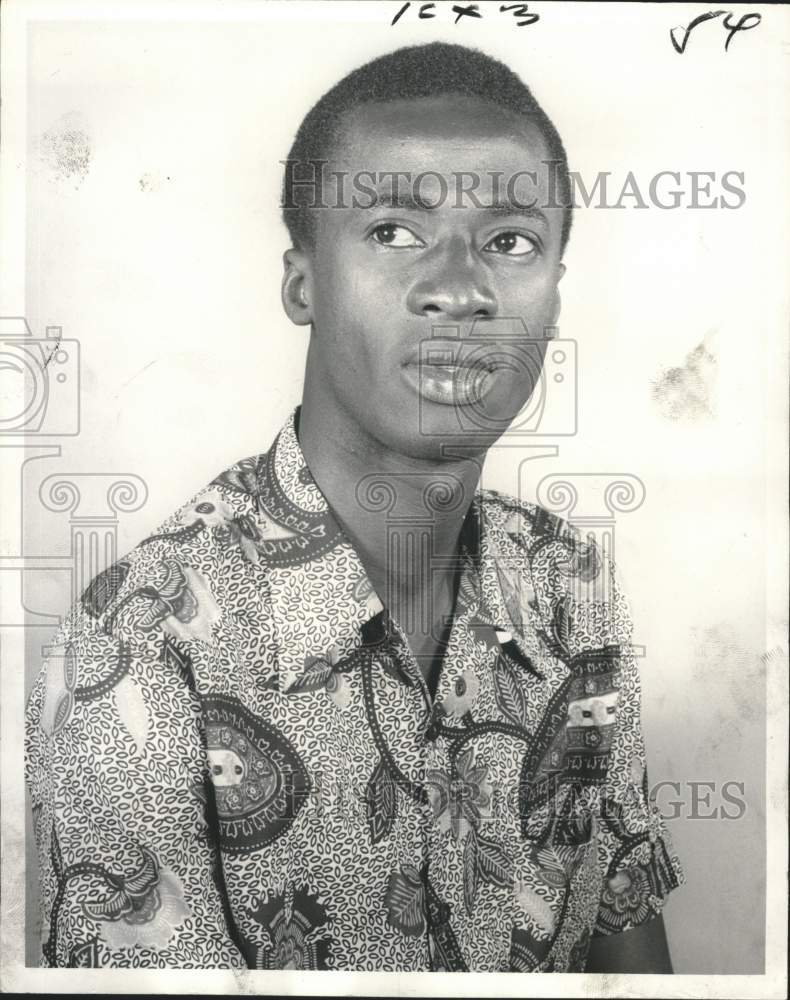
column 454, row 284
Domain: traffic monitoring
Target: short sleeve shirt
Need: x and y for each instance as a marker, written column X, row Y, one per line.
column 234, row 759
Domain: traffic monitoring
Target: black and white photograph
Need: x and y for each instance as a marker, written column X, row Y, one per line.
column 393, row 427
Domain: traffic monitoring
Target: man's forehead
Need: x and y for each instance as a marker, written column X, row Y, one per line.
column 447, row 152
column 454, row 127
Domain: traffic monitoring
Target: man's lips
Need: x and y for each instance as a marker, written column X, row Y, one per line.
column 473, row 365
column 477, row 363
column 450, row 384
column 462, row 372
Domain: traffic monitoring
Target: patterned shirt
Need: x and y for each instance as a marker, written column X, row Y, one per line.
column 235, row 761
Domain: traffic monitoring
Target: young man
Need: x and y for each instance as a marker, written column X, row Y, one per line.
column 344, row 709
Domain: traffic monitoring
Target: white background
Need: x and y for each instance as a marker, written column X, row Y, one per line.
column 163, row 259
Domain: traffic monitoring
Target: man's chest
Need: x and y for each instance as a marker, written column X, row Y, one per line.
column 358, row 777
column 407, row 703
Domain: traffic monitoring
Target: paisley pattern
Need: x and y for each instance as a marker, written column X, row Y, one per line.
column 234, row 759
column 260, row 782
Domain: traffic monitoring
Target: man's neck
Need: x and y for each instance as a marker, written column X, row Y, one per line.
column 403, row 514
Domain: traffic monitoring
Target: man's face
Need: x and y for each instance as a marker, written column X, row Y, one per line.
column 387, row 283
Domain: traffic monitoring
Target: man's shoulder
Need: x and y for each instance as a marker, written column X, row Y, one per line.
column 187, row 565
column 231, row 493
column 572, row 579
column 227, row 503
column 528, row 524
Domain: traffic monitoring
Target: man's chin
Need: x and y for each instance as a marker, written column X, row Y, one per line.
column 441, row 433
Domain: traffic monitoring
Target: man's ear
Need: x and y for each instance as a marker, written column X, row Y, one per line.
column 557, row 304
column 297, row 287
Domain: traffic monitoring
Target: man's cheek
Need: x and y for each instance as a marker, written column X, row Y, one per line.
column 347, row 348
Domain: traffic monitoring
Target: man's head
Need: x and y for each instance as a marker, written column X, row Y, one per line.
column 448, row 209
column 418, row 71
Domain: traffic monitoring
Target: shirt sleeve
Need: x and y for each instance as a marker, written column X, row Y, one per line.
column 638, row 862
column 116, row 767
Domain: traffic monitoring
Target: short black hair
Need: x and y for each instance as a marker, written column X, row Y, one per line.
column 415, row 71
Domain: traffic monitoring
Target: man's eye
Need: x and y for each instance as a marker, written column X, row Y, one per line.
column 390, row 235
column 512, row 244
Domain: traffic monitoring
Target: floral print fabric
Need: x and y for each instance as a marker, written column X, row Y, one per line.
column 234, row 759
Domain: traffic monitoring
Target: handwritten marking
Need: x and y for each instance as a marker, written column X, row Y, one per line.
column 733, row 29
column 426, row 11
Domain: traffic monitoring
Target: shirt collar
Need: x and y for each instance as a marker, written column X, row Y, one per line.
column 284, row 478
column 315, row 575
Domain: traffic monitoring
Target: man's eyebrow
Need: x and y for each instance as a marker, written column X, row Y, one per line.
column 508, row 207
column 407, row 200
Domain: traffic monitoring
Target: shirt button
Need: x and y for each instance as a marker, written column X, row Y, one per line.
column 432, row 731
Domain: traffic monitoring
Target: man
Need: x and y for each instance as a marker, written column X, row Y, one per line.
column 344, row 709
